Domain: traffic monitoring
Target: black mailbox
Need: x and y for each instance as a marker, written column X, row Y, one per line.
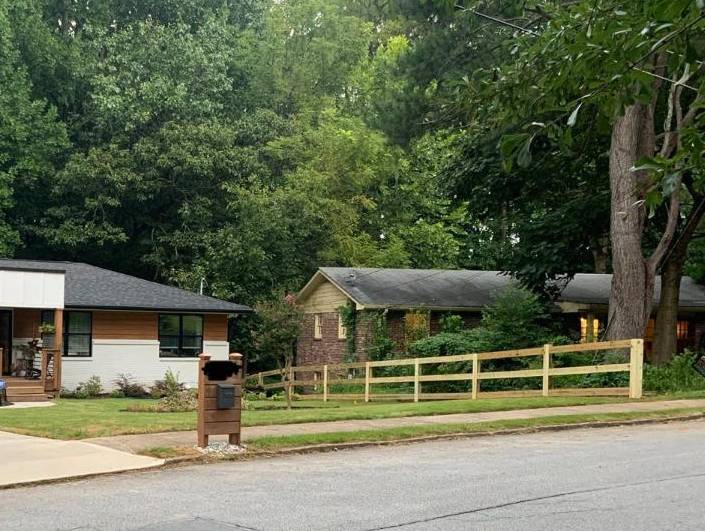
column 226, row 396
column 220, row 369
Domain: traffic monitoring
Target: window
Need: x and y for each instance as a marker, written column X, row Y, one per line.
column 682, row 329
column 77, row 334
column 589, row 334
column 180, row 336
column 317, row 329
column 342, row 330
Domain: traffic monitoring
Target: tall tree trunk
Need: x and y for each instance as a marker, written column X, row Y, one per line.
column 665, row 329
column 665, row 337
column 632, row 279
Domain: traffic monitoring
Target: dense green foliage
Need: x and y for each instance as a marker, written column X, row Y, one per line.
column 674, row 376
column 240, row 145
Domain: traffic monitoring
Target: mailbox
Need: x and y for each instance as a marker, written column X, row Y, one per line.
column 219, row 391
column 225, row 396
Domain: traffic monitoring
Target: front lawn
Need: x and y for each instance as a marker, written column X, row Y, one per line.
column 80, row 419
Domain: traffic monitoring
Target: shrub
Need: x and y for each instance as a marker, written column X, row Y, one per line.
column 169, row 386
column 92, row 388
column 127, row 387
column 451, row 323
column 515, row 320
column 676, row 375
column 174, row 396
column 178, row 402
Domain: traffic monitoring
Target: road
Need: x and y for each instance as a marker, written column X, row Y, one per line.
column 646, row 477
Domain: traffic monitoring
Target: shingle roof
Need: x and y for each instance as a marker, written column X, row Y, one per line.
column 441, row 288
column 87, row 286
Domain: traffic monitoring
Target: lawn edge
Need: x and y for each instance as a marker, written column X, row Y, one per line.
column 326, row 447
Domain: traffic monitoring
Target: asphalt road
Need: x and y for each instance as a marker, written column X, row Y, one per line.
column 647, row 477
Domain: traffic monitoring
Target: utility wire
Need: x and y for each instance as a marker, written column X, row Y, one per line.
column 536, row 34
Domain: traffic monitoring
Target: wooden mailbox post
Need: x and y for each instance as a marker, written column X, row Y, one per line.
column 215, row 415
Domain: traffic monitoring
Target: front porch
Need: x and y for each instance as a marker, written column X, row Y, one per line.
column 30, row 353
column 28, row 390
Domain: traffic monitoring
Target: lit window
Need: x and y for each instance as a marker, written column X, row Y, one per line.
column 342, row 330
column 682, row 329
column 317, row 329
column 589, row 334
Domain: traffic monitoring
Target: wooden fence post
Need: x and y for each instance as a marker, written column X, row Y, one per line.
column 475, row 376
column 417, row 384
column 546, row 367
column 367, row 381
column 325, row 383
column 260, row 379
column 291, row 382
column 636, row 368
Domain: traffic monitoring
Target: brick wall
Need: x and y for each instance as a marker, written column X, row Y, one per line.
column 327, row 349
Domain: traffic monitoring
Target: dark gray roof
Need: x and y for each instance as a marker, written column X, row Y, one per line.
column 442, row 288
column 87, row 286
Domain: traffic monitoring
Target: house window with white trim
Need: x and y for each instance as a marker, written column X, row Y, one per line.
column 317, row 328
column 342, row 329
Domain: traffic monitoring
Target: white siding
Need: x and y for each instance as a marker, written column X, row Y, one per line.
column 138, row 358
column 31, row 289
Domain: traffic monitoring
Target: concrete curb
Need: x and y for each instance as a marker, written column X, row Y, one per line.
column 83, row 476
column 318, row 448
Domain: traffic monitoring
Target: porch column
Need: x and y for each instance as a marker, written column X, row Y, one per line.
column 59, row 346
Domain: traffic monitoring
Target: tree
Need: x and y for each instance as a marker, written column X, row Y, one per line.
column 281, row 321
column 607, row 60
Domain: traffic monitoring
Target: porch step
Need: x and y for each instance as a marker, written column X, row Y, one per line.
column 28, row 398
column 23, row 390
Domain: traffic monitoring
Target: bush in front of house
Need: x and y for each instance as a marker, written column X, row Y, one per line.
column 169, row 386
column 127, row 387
column 91, row 388
column 674, row 376
column 517, row 319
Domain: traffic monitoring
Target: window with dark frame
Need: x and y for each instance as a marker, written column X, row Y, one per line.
column 78, row 337
column 180, row 336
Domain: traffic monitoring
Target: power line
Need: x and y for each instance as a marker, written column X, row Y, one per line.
column 536, row 34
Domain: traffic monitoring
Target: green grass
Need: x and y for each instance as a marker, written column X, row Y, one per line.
column 270, row 444
column 80, row 419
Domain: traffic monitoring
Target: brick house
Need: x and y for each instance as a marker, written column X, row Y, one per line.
column 421, row 297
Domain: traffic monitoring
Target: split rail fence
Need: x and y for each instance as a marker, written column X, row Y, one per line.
column 320, row 378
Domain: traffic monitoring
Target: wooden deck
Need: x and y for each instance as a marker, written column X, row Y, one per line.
column 24, row 390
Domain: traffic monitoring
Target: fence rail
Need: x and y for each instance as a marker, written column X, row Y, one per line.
column 323, row 376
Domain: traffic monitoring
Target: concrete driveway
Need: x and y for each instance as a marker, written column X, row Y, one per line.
column 25, row 459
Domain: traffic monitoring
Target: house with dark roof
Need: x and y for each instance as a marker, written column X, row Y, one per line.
column 63, row 322
column 406, row 294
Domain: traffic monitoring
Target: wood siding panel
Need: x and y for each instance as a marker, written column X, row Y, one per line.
column 215, row 327
column 26, row 323
column 125, row 325
column 325, row 298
